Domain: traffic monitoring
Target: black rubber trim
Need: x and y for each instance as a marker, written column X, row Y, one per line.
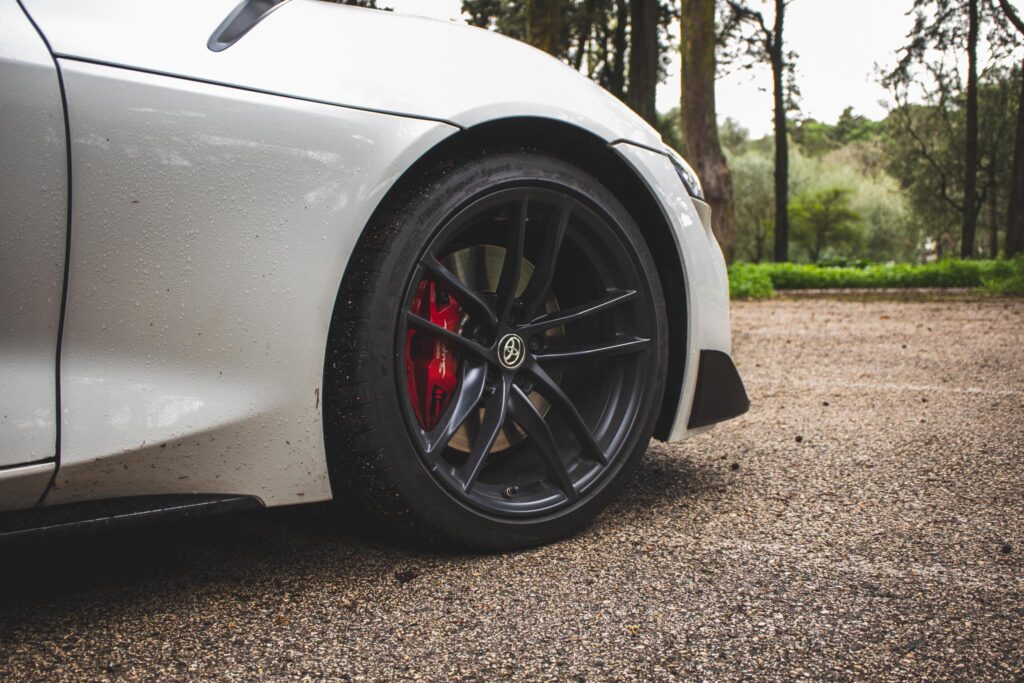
column 679, row 336
column 241, row 20
column 31, row 463
column 97, row 516
column 624, row 141
column 720, row 394
column 67, row 257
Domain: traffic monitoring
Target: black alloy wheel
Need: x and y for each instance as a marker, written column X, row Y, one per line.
column 528, row 342
column 510, row 349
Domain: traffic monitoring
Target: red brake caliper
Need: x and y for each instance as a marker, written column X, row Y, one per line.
column 431, row 368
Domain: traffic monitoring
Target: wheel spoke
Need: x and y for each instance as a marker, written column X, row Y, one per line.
column 510, row 432
column 472, row 425
column 511, row 267
column 544, row 274
column 457, row 340
column 550, row 390
column 619, row 347
column 463, row 294
column 471, row 389
column 526, row 416
column 494, row 418
column 612, row 299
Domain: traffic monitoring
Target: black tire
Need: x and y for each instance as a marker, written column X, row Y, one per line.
column 379, row 444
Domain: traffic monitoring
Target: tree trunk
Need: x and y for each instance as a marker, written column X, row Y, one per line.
column 617, row 59
column 781, row 137
column 543, row 24
column 643, row 58
column 819, row 245
column 993, row 208
column 584, row 30
column 699, row 119
column 971, row 146
column 1015, row 222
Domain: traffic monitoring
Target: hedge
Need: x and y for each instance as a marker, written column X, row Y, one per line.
column 760, row 280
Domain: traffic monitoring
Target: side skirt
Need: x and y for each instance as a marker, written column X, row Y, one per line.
column 76, row 519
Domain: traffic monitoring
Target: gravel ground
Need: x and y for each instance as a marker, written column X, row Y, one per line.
column 865, row 520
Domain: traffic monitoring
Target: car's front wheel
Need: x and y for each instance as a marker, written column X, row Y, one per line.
column 496, row 358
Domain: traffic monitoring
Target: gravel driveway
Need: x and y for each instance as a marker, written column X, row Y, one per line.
column 865, row 520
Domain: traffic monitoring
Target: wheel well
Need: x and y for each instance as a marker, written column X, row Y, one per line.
column 587, row 151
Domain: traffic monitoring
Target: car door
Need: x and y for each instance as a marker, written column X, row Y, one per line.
column 33, row 225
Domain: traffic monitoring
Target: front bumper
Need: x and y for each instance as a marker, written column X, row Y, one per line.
column 705, row 321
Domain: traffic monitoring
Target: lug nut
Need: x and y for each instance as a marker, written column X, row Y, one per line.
column 534, row 343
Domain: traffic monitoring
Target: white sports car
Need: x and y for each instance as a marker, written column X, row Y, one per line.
column 277, row 252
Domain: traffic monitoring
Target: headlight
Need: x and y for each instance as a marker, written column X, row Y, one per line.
column 686, row 174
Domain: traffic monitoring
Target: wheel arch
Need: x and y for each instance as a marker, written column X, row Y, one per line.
column 590, row 152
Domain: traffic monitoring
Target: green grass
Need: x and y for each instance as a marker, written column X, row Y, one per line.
column 757, row 281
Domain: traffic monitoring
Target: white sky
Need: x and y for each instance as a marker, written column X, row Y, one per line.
column 839, row 44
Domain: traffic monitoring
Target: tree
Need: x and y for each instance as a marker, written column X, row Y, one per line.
column 543, row 24
column 971, row 203
column 617, row 43
column 735, row 138
column 854, row 128
column 944, row 133
column 824, row 219
column 815, row 137
column 942, row 27
column 644, row 55
column 752, row 179
column 997, row 122
column 699, row 120
column 1015, row 218
column 669, row 126
column 924, row 153
column 767, row 43
column 616, row 79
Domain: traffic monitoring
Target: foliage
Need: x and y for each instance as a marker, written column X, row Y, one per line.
column 747, row 28
column 749, row 281
column 1000, row 276
column 1008, row 286
column 592, row 36
column 1014, row 243
column 1008, row 280
column 897, row 197
column 923, row 150
column 816, row 138
column 824, row 218
column 668, row 126
column 883, row 228
column 944, row 141
column 735, row 138
column 753, row 209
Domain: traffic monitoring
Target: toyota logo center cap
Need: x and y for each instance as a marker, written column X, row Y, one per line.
column 511, row 351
